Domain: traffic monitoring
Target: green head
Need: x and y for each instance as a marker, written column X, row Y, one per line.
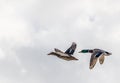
column 86, row 51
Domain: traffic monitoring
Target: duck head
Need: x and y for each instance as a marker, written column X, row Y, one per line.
column 86, row 51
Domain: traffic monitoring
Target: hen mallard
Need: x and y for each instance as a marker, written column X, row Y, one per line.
column 96, row 53
column 67, row 55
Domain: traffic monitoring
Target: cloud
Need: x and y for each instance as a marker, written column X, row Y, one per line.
column 31, row 29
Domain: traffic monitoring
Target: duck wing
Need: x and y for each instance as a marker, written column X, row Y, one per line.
column 101, row 59
column 71, row 49
column 93, row 60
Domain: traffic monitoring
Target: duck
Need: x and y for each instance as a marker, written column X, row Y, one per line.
column 95, row 55
column 67, row 55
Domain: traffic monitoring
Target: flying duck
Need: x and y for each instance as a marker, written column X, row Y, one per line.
column 96, row 54
column 67, row 55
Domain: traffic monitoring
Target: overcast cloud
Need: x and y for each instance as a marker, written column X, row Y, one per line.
column 30, row 29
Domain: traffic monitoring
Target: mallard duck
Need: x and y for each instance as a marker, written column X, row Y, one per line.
column 96, row 53
column 67, row 55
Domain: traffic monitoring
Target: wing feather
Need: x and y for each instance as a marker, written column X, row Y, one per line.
column 101, row 59
column 71, row 49
column 93, row 61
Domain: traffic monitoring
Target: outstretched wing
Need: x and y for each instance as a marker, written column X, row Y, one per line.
column 93, row 60
column 101, row 59
column 71, row 49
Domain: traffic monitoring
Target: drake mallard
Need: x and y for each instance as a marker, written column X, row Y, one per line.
column 96, row 53
column 67, row 55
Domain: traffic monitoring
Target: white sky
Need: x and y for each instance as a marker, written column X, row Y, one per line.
column 30, row 29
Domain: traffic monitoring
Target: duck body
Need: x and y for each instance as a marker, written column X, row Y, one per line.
column 96, row 54
column 67, row 55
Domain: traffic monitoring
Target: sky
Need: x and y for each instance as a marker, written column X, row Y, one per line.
column 30, row 29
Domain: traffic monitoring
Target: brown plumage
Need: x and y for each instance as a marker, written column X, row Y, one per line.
column 96, row 54
column 67, row 55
